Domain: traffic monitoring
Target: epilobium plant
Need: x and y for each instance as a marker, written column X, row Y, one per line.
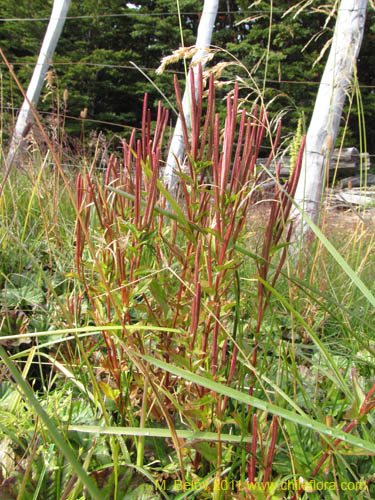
column 173, row 275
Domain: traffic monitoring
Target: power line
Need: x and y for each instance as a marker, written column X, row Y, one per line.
column 125, row 66
column 303, row 82
column 137, row 13
column 86, row 63
column 63, row 115
column 134, row 13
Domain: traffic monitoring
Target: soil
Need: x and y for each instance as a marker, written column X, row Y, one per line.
column 334, row 220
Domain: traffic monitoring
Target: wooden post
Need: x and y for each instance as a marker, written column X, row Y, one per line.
column 177, row 147
column 325, row 121
column 55, row 26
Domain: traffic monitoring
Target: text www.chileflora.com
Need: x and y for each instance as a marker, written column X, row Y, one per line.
column 289, row 485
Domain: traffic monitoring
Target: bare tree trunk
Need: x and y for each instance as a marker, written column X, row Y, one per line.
column 177, row 148
column 325, row 121
column 55, row 26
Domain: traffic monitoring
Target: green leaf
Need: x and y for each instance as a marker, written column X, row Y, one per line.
column 227, row 265
column 260, row 404
column 27, row 293
column 335, row 254
column 337, row 374
column 179, row 213
column 159, row 295
column 109, row 391
column 94, row 330
column 186, row 178
column 54, row 433
column 207, row 451
column 142, row 492
column 159, row 432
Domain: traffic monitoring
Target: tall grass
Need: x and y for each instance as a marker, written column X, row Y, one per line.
column 160, row 344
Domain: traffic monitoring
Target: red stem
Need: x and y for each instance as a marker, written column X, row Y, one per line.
column 271, row 451
column 251, row 465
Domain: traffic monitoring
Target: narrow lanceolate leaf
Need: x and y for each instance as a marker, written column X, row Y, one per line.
column 260, row 404
column 54, row 433
column 162, row 433
column 179, row 213
column 181, row 218
column 92, row 329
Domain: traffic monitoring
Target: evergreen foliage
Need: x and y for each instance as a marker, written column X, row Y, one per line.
column 142, row 34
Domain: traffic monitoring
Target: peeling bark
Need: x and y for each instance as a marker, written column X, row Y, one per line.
column 54, row 29
column 177, row 147
column 325, row 121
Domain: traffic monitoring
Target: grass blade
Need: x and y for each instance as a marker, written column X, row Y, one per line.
column 260, row 404
column 339, row 259
column 54, row 433
column 160, row 432
column 339, row 378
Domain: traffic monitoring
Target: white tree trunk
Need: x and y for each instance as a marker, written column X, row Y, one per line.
column 55, row 26
column 325, row 121
column 177, row 147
